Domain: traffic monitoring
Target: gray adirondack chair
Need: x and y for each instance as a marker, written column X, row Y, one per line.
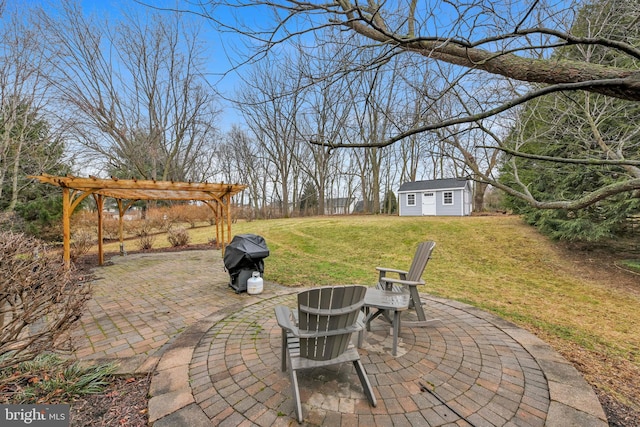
column 319, row 332
column 409, row 280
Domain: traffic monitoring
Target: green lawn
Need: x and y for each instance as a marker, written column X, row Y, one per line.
column 497, row 263
column 632, row 264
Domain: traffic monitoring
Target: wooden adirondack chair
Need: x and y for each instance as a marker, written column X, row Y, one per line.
column 319, row 332
column 409, row 280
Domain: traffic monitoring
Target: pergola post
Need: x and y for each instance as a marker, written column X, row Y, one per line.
column 99, row 205
column 120, row 226
column 216, row 218
column 228, row 206
column 216, row 214
column 66, row 226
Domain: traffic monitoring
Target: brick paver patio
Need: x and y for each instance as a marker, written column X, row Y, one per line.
column 215, row 356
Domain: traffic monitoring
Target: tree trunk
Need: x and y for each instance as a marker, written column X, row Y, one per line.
column 479, row 189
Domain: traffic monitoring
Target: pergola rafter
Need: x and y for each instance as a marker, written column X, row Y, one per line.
column 75, row 189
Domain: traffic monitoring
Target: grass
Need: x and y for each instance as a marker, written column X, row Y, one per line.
column 632, row 264
column 496, row 263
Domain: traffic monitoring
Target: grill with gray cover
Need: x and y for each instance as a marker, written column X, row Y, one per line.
column 244, row 255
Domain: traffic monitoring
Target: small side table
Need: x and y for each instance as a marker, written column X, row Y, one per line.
column 385, row 302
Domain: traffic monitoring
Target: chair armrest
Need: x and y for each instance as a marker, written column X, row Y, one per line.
column 383, row 272
column 283, row 316
column 391, row 270
column 402, row 282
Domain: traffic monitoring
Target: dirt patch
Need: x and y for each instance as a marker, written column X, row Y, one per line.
column 603, row 264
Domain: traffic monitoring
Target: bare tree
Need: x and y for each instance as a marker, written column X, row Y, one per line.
column 374, row 98
column 326, row 112
column 598, row 126
column 270, row 103
column 135, row 90
column 241, row 159
column 502, row 38
column 472, row 149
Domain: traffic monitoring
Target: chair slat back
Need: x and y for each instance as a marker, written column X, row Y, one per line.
column 420, row 259
column 326, row 313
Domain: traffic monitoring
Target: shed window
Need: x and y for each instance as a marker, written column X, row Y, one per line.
column 411, row 199
column 447, row 198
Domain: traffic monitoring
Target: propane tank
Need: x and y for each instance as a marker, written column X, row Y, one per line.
column 254, row 284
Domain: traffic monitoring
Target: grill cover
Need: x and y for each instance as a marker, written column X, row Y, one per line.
column 243, row 256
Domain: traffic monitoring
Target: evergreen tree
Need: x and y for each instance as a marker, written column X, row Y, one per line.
column 579, row 125
column 390, row 204
column 34, row 151
column 309, row 200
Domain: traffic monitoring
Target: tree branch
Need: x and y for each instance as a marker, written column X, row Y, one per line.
column 592, row 162
column 489, row 113
column 582, row 202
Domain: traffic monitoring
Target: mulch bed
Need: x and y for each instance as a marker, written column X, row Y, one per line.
column 123, row 403
column 618, row 415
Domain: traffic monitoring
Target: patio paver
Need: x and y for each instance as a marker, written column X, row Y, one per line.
column 215, row 356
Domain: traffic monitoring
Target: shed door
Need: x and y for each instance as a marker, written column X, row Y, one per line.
column 429, row 203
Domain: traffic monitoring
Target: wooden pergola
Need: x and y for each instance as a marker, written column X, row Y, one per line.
column 127, row 191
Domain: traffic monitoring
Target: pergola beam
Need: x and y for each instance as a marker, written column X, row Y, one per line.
column 216, row 195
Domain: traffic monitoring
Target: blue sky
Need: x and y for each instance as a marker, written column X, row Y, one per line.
column 218, row 46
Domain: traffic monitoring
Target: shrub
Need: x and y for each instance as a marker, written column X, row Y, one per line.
column 146, row 242
column 10, row 221
column 178, row 237
column 42, row 218
column 83, row 218
column 185, row 213
column 242, row 212
column 143, row 228
column 110, row 228
column 199, row 214
column 191, row 215
column 81, row 243
column 39, row 298
column 160, row 218
column 145, row 238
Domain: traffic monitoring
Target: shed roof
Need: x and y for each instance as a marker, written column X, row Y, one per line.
column 339, row 202
column 434, row 184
